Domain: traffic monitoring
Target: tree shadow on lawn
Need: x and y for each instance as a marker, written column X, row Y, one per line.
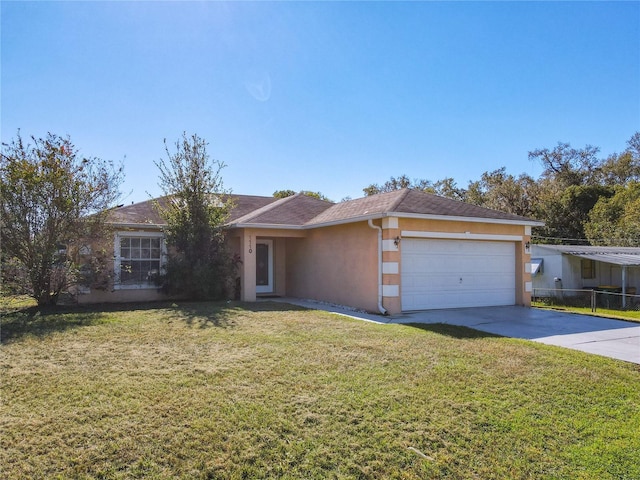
column 43, row 321
column 224, row 314
column 452, row 331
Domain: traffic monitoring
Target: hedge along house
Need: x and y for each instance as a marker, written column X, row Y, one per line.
column 392, row 252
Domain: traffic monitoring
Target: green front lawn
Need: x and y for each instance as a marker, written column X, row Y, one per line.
column 629, row 315
column 201, row 390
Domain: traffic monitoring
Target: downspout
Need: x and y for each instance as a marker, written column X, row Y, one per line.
column 383, row 311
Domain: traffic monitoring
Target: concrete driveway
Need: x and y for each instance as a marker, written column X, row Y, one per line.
column 610, row 338
column 602, row 336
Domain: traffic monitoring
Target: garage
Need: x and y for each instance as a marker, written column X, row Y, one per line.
column 450, row 273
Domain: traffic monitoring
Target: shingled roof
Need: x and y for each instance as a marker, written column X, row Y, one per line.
column 296, row 210
column 302, row 211
column 146, row 213
column 411, row 202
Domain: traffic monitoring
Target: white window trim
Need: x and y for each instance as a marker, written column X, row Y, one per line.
column 117, row 260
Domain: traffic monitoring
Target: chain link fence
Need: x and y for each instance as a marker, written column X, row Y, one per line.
column 587, row 298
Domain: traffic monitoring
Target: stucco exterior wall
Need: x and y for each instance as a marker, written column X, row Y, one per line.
column 279, row 266
column 460, row 227
column 337, row 264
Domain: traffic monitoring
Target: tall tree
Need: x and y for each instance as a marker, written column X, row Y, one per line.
column 403, row 181
column 501, row 191
column 446, row 187
column 284, row 193
column 615, row 220
column 568, row 166
column 308, row 193
column 565, row 211
column 52, row 201
column 199, row 264
column 574, row 181
column 624, row 168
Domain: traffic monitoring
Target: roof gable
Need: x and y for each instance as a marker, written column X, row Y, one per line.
column 295, row 210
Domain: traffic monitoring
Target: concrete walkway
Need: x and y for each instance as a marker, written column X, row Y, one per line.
column 602, row 336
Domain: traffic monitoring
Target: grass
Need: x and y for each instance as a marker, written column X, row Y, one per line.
column 629, row 315
column 201, row 390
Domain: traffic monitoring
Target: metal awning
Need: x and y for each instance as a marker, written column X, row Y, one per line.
column 623, row 256
column 536, row 266
column 613, row 258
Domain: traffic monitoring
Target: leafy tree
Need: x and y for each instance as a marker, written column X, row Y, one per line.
column 565, row 211
column 501, row 191
column 568, row 166
column 621, row 169
column 199, row 264
column 574, row 181
column 446, row 187
column 53, row 201
column 403, row 181
column 284, row 193
column 616, row 220
column 290, row 193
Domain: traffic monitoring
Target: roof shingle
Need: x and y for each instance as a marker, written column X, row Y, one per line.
column 303, row 211
column 412, row 202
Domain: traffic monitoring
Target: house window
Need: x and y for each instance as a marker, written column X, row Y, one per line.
column 139, row 259
column 588, row 268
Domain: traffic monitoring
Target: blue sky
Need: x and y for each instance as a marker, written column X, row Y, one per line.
column 323, row 96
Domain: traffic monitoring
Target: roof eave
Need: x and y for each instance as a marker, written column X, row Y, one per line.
column 378, row 215
column 359, row 218
column 137, row 225
column 342, row 221
column 264, row 226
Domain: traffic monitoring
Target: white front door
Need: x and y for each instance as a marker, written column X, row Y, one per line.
column 264, row 266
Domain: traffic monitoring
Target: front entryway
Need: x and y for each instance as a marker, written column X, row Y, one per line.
column 264, row 266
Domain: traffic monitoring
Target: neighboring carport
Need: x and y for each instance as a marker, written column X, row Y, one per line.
column 622, row 258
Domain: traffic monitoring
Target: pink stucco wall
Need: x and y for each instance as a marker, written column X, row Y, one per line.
column 335, row 264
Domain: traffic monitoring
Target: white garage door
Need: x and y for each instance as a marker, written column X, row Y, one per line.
column 457, row 273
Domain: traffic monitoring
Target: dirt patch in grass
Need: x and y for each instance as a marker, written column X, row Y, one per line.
column 200, row 390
